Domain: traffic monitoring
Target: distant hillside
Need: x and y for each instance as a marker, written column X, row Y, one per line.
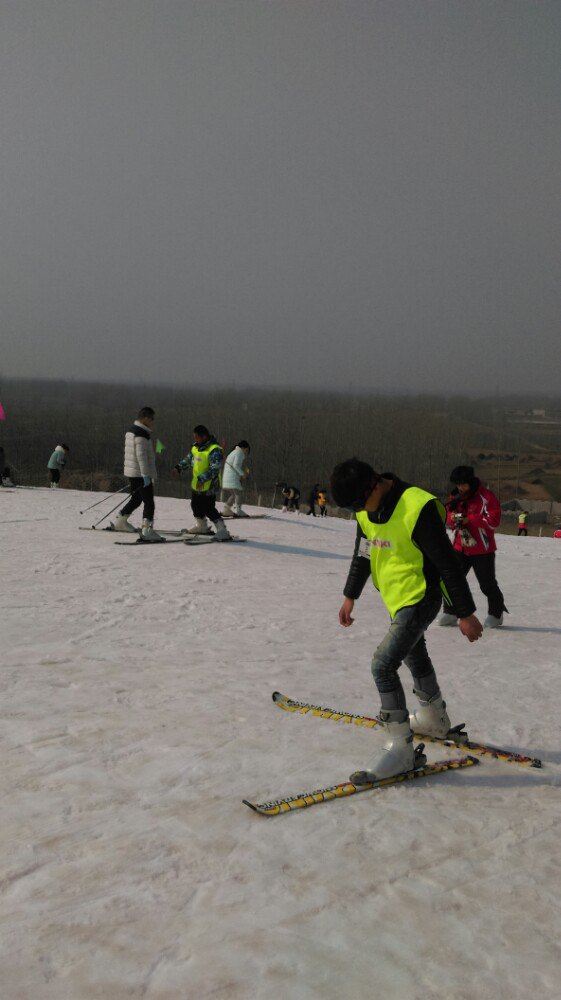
column 295, row 436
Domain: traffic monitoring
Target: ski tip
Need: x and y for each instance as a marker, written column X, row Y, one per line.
column 276, row 696
column 536, row 762
column 472, row 759
column 254, row 808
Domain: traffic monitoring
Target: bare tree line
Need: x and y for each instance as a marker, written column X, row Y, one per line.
column 295, row 436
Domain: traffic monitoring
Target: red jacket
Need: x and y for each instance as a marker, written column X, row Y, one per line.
column 482, row 511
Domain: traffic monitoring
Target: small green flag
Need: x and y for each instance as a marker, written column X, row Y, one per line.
column 160, row 448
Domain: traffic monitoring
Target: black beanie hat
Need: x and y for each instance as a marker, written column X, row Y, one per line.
column 462, row 474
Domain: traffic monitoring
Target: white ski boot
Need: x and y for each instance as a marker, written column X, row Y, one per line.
column 148, row 534
column 397, row 754
column 492, row 622
column 122, row 523
column 447, row 619
column 221, row 532
column 200, row 527
column 54, row 486
column 227, row 511
column 431, row 718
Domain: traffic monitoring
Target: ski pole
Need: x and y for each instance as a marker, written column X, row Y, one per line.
column 115, row 508
column 102, row 501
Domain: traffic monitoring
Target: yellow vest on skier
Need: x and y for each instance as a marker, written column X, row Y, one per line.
column 201, row 461
column 396, row 561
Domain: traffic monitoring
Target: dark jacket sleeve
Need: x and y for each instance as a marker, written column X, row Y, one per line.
column 430, row 535
column 359, row 570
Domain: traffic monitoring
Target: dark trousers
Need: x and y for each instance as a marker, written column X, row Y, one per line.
column 405, row 643
column 55, row 475
column 323, row 512
column 522, row 531
column 204, row 505
column 484, row 569
column 140, row 494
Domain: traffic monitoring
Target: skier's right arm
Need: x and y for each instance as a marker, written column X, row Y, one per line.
column 184, row 463
column 359, row 570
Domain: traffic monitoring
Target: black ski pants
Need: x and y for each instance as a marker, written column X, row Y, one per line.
column 522, row 531
column 140, row 494
column 484, row 569
column 55, row 475
column 204, row 505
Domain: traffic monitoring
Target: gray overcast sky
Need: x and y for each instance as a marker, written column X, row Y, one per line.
column 334, row 194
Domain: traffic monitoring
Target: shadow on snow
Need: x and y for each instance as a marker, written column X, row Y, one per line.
column 294, row 550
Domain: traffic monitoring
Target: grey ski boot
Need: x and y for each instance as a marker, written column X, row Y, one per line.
column 200, row 527
column 492, row 622
column 397, row 755
column 122, row 523
column 148, row 534
column 431, row 718
column 447, row 619
column 221, row 532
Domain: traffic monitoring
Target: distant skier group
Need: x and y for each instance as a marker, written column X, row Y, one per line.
column 204, row 461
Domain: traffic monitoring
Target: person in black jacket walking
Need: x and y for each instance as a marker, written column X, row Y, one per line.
column 313, row 499
column 401, row 542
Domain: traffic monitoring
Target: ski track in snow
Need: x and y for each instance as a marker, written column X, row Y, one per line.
column 136, row 715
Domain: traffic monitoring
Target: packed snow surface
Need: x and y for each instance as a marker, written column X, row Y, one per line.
column 137, row 714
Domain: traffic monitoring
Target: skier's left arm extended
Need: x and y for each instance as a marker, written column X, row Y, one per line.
column 430, row 536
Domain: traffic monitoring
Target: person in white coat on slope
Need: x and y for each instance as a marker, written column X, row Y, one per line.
column 233, row 475
column 140, row 470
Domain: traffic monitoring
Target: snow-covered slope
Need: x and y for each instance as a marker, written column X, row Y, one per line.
column 136, row 714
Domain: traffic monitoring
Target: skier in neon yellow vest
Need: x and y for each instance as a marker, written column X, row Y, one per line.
column 205, row 461
column 401, row 542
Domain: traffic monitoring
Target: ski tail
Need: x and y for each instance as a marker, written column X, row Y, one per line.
column 346, row 788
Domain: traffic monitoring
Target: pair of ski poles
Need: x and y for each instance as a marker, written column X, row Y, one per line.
column 113, row 509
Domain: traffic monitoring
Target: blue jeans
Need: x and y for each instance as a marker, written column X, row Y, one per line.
column 405, row 643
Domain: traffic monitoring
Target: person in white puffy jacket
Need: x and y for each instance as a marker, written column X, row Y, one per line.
column 140, row 470
column 233, row 475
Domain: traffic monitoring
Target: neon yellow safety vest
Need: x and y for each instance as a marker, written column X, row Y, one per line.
column 201, row 461
column 395, row 560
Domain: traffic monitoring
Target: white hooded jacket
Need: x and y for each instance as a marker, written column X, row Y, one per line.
column 233, row 470
column 139, row 452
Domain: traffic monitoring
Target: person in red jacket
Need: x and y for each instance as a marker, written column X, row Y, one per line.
column 474, row 513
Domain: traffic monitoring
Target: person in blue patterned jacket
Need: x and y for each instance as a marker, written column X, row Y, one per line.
column 205, row 460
